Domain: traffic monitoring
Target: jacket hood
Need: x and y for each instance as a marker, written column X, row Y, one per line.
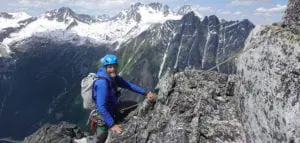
column 102, row 72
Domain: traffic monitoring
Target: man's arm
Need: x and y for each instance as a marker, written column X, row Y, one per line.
column 101, row 98
column 130, row 86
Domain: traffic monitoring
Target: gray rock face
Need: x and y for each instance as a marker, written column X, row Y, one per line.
column 103, row 17
column 185, row 43
column 62, row 133
column 292, row 15
column 185, row 9
column 268, row 85
column 6, row 15
column 191, row 106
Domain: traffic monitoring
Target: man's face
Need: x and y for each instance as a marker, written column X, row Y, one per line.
column 112, row 70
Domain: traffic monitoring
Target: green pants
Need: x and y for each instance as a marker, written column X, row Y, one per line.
column 102, row 130
column 101, row 134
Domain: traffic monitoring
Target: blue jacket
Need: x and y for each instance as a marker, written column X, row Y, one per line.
column 105, row 95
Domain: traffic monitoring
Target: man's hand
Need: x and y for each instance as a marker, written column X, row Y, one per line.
column 151, row 96
column 116, row 129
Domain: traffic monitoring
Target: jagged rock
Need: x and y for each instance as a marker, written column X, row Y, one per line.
column 6, row 15
column 292, row 15
column 188, row 109
column 62, row 133
column 268, row 85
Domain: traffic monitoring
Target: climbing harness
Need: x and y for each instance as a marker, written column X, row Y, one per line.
column 95, row 120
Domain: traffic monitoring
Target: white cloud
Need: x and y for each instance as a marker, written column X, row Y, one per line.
column 226, row 12
column 110, row 7
column 87, row 4
column 237, row 13
column 269, row 11
column 203, row 8
column 29, row 3
column 247, row 2
column 99, row 4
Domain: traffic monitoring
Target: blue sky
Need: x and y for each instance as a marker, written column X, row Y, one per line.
column 257, row 11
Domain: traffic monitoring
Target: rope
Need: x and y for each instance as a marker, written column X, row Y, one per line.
column 132, row 106
column 228, row 59
column 91, row 113
column 225, row 61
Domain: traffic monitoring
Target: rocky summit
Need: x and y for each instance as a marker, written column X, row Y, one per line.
column 191, row 106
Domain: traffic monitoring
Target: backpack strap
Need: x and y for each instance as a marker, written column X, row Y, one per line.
column 108, row 83
column 101, row 77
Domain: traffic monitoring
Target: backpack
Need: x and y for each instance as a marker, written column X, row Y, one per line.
column 87, row 90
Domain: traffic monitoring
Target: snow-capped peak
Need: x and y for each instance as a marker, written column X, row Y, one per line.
column 12, row 19
column 17, row 15
column 65, row 14
column 185, row 9
column 139, row 10
column 103, row 17
column 64, row 24
column 20, row 15
column 188, row 8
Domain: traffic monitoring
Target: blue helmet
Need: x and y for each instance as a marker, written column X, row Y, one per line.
column 109, row 59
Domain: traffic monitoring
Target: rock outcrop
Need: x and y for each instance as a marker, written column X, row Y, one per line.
column 268, row 85
column 292, row 15
column 192, row 106
column 62, row 133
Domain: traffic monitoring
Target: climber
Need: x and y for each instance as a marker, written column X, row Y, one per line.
column 105, row 90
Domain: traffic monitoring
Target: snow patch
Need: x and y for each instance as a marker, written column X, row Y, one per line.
column 114, row 30
column 82, row 140
column 13, row 22
column 178, row 53
column 205, row 48
column 165, row 56
column 194, row 36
